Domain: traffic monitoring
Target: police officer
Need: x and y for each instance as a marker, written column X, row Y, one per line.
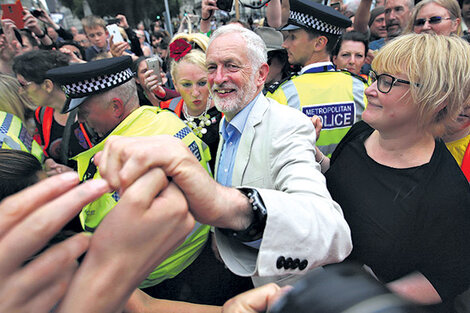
column 336, row 97
column 106, row 97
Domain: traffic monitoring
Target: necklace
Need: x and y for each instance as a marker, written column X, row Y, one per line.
column 204, row 120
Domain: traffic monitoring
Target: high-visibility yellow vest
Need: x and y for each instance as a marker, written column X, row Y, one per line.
column 15, row 136
column 148, row 121
column 336, row 97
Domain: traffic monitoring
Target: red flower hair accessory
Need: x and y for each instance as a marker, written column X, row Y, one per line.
column 179, row 48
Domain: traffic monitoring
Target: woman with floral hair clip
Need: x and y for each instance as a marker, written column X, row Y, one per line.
column 206, row 280
column 189, row 74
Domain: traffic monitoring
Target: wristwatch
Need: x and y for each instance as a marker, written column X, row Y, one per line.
column 256, row 229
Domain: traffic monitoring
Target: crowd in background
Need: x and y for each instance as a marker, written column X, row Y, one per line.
column 386, row 88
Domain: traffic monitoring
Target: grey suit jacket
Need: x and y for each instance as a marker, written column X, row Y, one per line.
column 276, row 155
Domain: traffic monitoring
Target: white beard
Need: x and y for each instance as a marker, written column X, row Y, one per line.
column 234, row 103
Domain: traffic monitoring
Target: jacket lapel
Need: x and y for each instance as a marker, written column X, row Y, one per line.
column 246, row 141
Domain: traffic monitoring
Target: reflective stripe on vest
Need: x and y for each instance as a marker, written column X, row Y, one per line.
column 291, row 93
column 148, row 121
column 174, row 103
column 14, row 135
column 336, row 97
column 358, row 92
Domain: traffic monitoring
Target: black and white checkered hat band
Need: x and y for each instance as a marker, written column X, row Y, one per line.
column 315, row 23
column 97, row 84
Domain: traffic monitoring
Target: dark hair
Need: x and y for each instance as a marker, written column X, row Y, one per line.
column 332, row 39
column 281, row 55
column 33, row 65
column 163, row 44
column 161, row 34
column 72, row 43
column 136, row 63
column 27, row 34
column 18, row 170
column 351, row 36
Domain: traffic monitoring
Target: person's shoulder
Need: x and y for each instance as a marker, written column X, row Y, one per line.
column 377, row 44
column 446, row 166
column 274, row 86
column 358, row 129
column 354, row 76
column 90, row 53
column 283, row 116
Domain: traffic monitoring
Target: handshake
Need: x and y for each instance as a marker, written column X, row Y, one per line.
column 150, row 220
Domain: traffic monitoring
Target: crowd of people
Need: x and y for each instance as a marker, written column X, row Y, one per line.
column 316, row 162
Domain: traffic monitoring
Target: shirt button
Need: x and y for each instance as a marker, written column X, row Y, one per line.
column 226, row 170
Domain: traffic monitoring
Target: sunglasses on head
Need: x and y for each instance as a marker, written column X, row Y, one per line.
column 432, row 20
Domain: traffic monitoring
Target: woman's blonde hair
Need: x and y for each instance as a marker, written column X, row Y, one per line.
column 196, row 56
column 452, row 6
column 11, row 101
column 439, row 72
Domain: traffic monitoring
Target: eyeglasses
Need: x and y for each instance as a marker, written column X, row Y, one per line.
column 432, row 20
column 385, row 82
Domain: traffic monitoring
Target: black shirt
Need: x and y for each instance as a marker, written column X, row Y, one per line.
column 404, row 220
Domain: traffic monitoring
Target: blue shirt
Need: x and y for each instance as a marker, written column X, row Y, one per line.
column 374, row 45
column 231, row 133
column 377, row 44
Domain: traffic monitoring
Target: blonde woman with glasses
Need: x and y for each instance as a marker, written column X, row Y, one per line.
column 402, row 193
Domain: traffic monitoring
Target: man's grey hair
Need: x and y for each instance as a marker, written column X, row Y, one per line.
column 409, row 3
column 255, row 46
column 127, row 92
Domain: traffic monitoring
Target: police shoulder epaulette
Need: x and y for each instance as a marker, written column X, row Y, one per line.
column 273, row 87
column 354, row 75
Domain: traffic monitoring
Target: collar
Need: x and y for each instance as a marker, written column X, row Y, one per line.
column 99, row 50
column 318, row 68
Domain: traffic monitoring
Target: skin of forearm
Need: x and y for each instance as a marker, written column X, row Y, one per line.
column 416, row 288
column 362, row 16
column 238, row 215
column 167, row 306
column 205, row 26
column 99, row 283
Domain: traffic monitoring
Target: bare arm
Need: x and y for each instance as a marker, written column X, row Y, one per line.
column 140, row 302
column 416, row 288
column 208, row 8
column 285, row 8
column 28, row 220
column 322, row 159
column 361, row 20
column 124, row 160
column 150, row 220
column 274, row 13
column 32, row 24
column 256, row 300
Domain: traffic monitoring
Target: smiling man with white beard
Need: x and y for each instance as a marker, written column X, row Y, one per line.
column 268, row 149
column 274, row 218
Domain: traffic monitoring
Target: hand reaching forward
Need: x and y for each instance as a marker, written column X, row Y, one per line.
column 28, row 220
column 147, row 224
